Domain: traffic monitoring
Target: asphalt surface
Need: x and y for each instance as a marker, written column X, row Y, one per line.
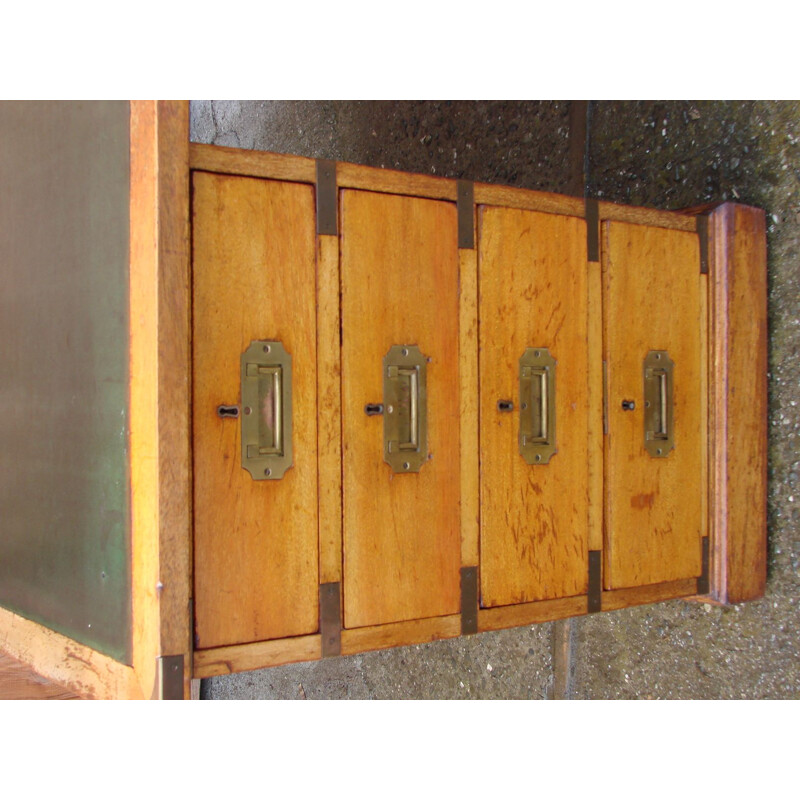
column 661, row 154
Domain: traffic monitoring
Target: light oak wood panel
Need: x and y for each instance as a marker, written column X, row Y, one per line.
column 738, row 308
column 402, row 532
column 160, row 369
column 494, row 619
column 91, row 675
column 258, row 655
column 653, row 505
column 533, row 293
column 356, row 176
column 595, row 388
column 400, row 634
column 529, row 199
column 673, row 220
column 252, row 163
column 20, row 682
column 329, row 420
column 143, row 397
column 642, row 595
column 468, row 366
column 256, row 542
column 174, row 382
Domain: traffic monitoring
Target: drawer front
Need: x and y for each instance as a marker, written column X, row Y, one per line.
column 532, row 279
column 254, row 279
column 399, row 272
column 654, row 509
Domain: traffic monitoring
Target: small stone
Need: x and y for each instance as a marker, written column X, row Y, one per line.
column 707, row 607
column 489, row 667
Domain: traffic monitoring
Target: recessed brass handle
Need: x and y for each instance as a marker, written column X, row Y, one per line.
column 405, row 419
column 537, row 408
column 266, row 377
column 659, row 435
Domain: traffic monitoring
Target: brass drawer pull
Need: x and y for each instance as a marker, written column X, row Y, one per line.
column 537, row 407
column 266, row 410
column 405, row 418
column 659, row 436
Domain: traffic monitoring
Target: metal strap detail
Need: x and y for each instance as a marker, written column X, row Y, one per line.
column 327, row 216
column 469, row 600
column 595, row 582
column 330, row 622
column 466, row 215
column 592, row 233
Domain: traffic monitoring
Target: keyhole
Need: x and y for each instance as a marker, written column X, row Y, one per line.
column 628, row 405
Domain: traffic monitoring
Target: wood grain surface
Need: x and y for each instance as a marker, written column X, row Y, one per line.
column 329, row 420
column 20, row 682
column 256, row 542
column 653, row 217
column 87, row 673
column 174, row 383
column 399, row 634
column 738, row 310
column 143, row 392
column 258, row 655
column 468, row 360
column 652, row 287
column 493, row 619
column 252, row 163
column 160, row 387
column 533, row 293
column 493, row 195
column 402, row 532
column 356, row 176
column 653, row 593
column 595, row 418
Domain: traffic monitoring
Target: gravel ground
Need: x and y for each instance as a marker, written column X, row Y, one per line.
column 663, row 154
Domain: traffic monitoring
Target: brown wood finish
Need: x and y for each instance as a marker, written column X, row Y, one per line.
column 529, row 199
column 595, row 417
column 356, row 176
column 738, row 310
column 468, row 366
column 402, row 532
column 19, row 682
column 258, row 655
column 653, row 505
column 87, row 673
column 494, row 619
column 705, row 523
column 673, row 220
column 256, row 542
column 143, row 397
column 329, row 418
column 159, row 387
column 399, row 634
column 174, row 384
column 252, row 163
column 532, row 293
column 642, row 595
